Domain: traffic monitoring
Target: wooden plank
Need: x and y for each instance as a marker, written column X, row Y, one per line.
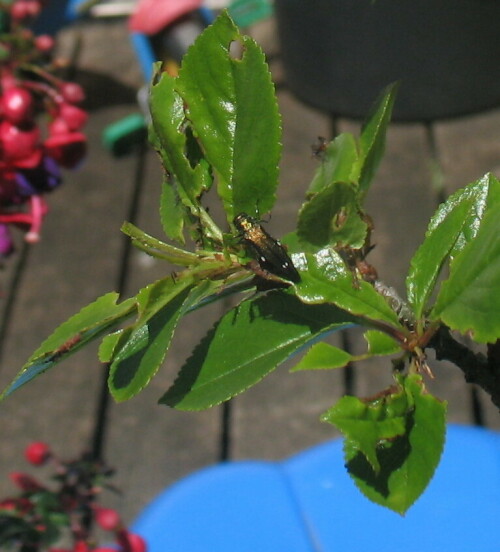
column 280, row 415
column 152, row 445
column 401, row 201
column 468, row 148
column 72, row 265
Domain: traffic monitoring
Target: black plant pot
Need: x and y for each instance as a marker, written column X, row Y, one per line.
column 339, row 54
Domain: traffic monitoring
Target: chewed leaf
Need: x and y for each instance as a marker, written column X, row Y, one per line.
column 338, row 164
column 393, row 442
column 91, row 322
column 232, row 108
column 333, row 217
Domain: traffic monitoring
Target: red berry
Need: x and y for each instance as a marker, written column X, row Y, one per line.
column 17, row 105
column 44, row 43
column 24, row 9
column 108, row 519
column 37, row 453
column 72, row 92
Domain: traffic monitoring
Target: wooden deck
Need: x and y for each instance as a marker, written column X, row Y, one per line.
column 83, row 255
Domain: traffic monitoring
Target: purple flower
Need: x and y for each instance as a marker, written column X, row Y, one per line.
column 6, row 244
column 43, row 178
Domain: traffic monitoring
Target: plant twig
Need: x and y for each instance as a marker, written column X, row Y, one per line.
column 477, row 368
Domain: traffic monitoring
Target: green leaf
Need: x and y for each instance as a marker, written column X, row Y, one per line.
column 372, row 139
column 326, row 280
column 232, row 107
column 332, row 217
column 322, row 356
column 368, row 423
column 393, row 442
column 469, row 300
column 167, row 111
column 159, row 249
column 172, row 211
column 248, row 343
column 427, row 262
column 161, row 305
column 91, row 322
column 380, row 344
column 338, row 164
column 481, row 196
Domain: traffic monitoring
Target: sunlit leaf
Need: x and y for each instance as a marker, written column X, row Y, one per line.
column 247, row 344
column 322, row 356
column 333, row 217
column 327, row 280
column 431, row 255
column 393, row 442
column 91, row 322
column 372, row 140
column 338, row 164
column 233, row 110
column 469, row 300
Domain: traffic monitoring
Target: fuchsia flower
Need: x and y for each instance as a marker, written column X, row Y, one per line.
column 31, row 157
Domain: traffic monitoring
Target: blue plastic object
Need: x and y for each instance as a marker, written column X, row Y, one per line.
column 308, row 503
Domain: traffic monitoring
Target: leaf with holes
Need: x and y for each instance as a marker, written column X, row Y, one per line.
column 332, row 217
column 89, row 324
column 231, row 105
column 393, row 442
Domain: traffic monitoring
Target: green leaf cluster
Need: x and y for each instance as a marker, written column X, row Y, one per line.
column 217, row 130
column 393, row 441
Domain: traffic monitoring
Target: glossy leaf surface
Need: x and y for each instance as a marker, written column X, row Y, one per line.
column 393, row 442
column 469, row 300
column 233, row 110
column 272, row 328
column 338, row 163
column 332, row 217
column 426, row 264
column 322, row 356
column 327, row 280
column 91, row 322
column 481, row 196
column 372, row 140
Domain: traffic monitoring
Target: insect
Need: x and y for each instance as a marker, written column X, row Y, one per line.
column 318, row 149
column 267, row 251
